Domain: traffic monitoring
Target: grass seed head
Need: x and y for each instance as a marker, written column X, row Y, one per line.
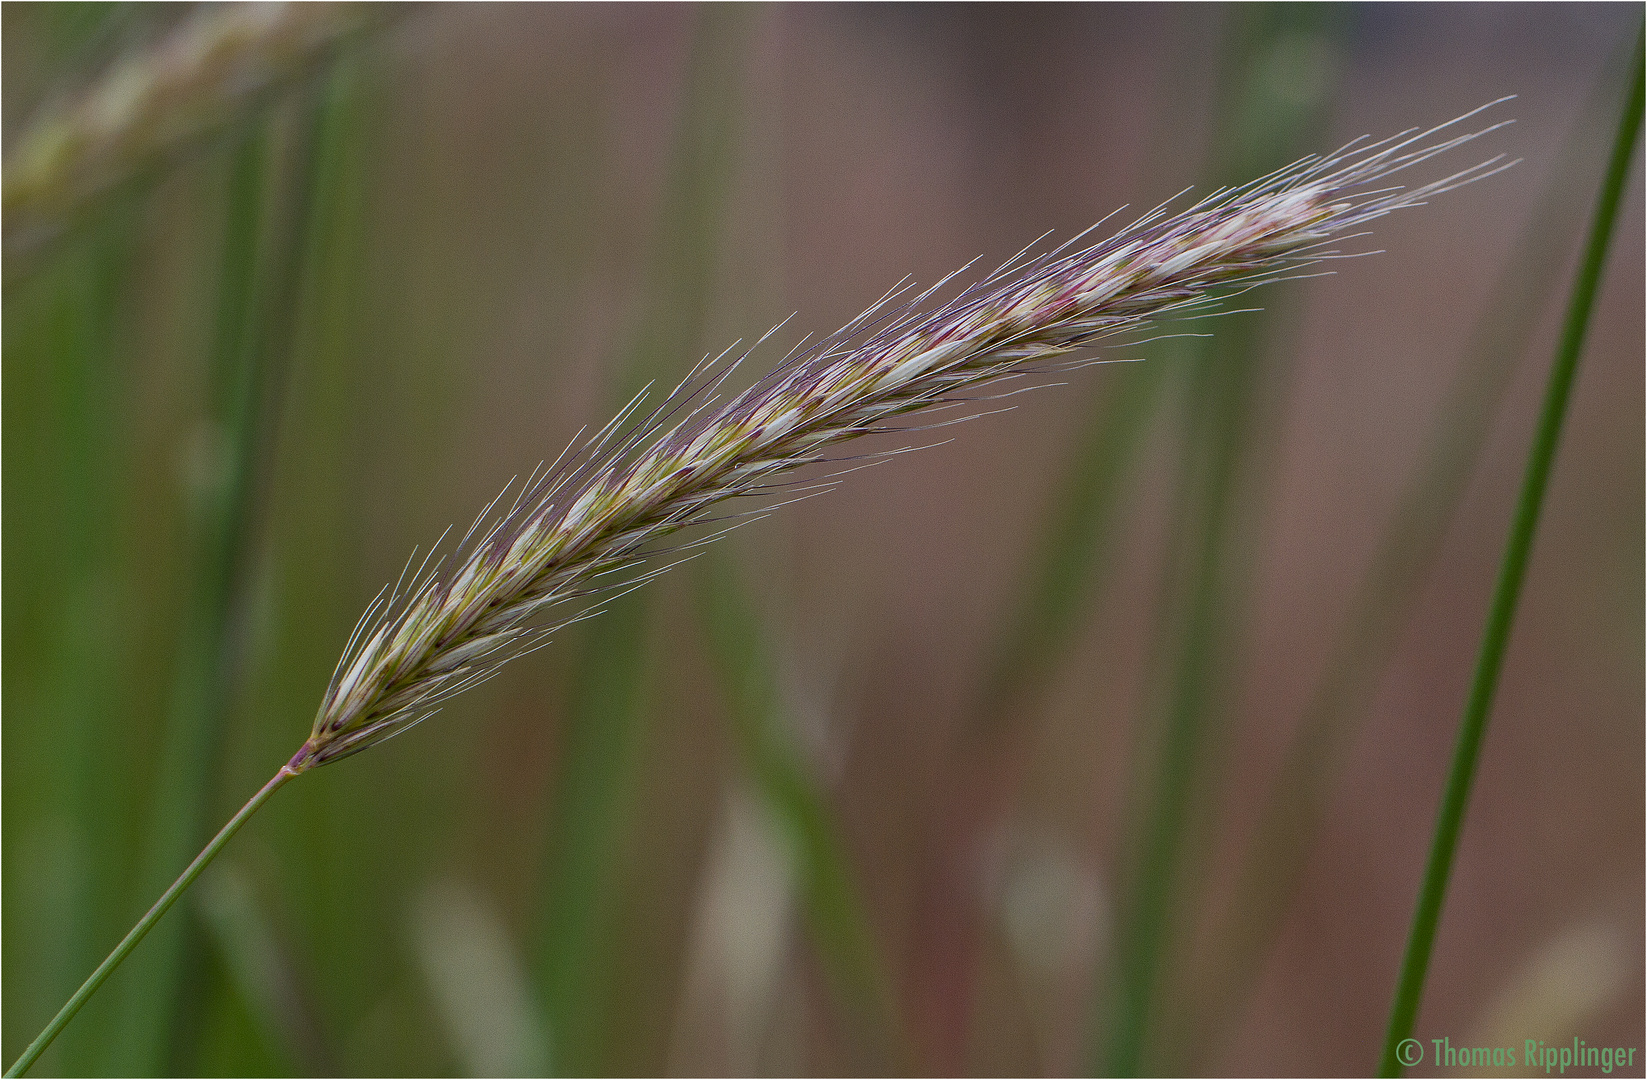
column 578, row 530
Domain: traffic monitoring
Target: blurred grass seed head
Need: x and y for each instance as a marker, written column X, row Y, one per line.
column 154, row 101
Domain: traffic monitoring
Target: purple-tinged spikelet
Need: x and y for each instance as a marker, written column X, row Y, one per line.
column 589, row 517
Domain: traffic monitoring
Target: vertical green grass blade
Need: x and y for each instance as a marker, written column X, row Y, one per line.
column 149, row 987
column 279, row 1014
column 1069, row 563
column 1383, row 602
column 67, row 640
column 1278, row 97
column 333, row 879
column 1512, row 573
column 836, row 917
column 1063, row 582
column 605, row 720
column 593, row 792
column 259, row 287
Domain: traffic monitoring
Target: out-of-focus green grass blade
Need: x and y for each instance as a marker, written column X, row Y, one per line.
column 836, row 919
column 1495, row 639
column 606, row 718
column 265, row 241
column 67, row 757
column 1279, row 90
column 1063, row 582
column 148, row 986
column 839, row 924
column 278, row 1007
column 602, row 730
column 1384, row 600
column 336, row 880
column 68, row 784
column 1067, row 569
column 259, row 977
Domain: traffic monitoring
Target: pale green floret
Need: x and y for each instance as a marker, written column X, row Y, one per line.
column 459, row 655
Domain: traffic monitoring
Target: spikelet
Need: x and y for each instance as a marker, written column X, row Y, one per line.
column 578, row 527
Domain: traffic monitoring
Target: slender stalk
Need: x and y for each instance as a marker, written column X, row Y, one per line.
column 1067, row 578
column 758, row 713
column 312, row 532
column 1512, row 573
column 146, row 923
column 1290, row 823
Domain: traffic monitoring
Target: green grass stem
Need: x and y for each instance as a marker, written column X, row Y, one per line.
column 1512, row 573
column 148, row 994
column 310, row 324
column 1063, row 582
column 146, row 923
column 591, row 803
column 1388, row 592
column 322, row 480
column 1222, row 392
